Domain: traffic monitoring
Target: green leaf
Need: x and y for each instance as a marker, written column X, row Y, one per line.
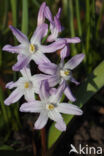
column 85, row 91
column 25, row 16
column 5, row 147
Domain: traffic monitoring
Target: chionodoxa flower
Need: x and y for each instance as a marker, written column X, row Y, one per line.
column 50, row 107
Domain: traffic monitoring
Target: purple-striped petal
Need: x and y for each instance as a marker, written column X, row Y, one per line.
column 56, row 98
column 26, row 72
column 57, row 24
column 72, row 79
column 48, row 68
column 14, row 97
column 39, row 33
column 22, row 62
column 60, row 43
column 41, row 121
column 11, row 85
column 13, row 49
column 53, row 80
column 48, row 14
column 65, row 52
column 41, row 17
column 69, row 109
column 74, row 61
column 44, row 90
column 73, row 40
column 29, row 95
column 69, row 94
column 58, row 13
column 32, row 107
column 40, row 58
column 60, row 125
column 19, row 35
column 55, row 115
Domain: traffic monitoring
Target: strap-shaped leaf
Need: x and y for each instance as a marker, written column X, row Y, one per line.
column 86, row 90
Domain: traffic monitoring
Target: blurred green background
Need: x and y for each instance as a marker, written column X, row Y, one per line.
column 84, row 19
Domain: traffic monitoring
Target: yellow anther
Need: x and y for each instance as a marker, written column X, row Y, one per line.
column 32, row 48
column 51, row 106
column 67, row 72
column 26, row 85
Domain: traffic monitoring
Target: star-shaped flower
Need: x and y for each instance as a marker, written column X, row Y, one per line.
column 62, row 72
column 26, row 85
column 50, row 107
column 32, row 50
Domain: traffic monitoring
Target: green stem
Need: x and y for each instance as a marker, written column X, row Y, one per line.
column 3, row 106
column 88, row 28
column 78, row 18
column 5, row 14
column 99, row 20
column 36, row 3
column 79, row 24
column 25, row 16
column 14, row 11
column 71, row 24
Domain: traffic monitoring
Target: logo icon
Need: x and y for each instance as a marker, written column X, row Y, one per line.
column 73, row 149
column 86, row 150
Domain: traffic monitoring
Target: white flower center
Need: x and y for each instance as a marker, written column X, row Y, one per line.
column 50, row 106
column 28, row 84
column 65, row 73
column 32, row 48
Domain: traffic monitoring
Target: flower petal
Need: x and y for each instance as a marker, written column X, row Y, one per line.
column 60, row 43
column 69, row 94
column 42, row 120
column 39, row 33
column 67, row 108
column 73, row 40
column 41, row 17
column 60, row 125
column 40, row 58
column 53, row 80
column 21, row 63
column 14, row 97
column 48, row 14
column 58, row 13
column 65, row 52
column 55, row 98
column 19, row 35
column 11, row 85
column 35, row 106
column 26, row 72
column 57, row 24
column 44, row 90
column 55, row 115
column 48, row 68
column 74, row 61
column 29, row 95
column 13, row 49
column 72, row 79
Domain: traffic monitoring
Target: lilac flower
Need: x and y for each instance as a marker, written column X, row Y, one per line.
column 50, row 107
column 62, row 72
column 56, row 28
column 32, row 50
column 25, row 85
column 41, row 17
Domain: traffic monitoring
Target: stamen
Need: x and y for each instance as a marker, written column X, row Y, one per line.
column 51, row 106
column 26, row 85
column 67, row 72
column 64, row 73
column 32, row 48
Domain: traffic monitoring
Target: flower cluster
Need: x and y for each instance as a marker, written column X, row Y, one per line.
column 49, row 105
